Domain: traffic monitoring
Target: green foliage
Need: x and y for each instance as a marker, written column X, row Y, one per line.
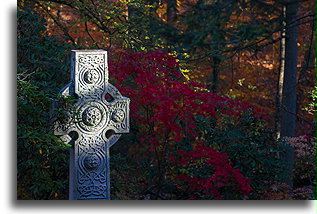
column 42, row 59
column 311, row 108
column 42, row 165
column 42, row 157
column 128, row 178
column 250, row 145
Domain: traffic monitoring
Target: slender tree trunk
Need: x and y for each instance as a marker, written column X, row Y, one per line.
column 216, row 60
column 212, row 79
column 280, row 82
column 288, row 111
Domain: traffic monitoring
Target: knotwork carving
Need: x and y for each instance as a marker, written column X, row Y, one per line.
column 92, row 116
column 92, row 168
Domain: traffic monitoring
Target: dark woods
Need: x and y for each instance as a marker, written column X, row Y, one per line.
column 222, row 96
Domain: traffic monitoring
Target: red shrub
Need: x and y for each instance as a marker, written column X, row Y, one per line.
column 163, row 109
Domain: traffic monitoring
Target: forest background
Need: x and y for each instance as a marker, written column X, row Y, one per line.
column 233, row 84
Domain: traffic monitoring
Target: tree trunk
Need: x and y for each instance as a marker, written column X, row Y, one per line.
column 280, row 82
column 288, row 111
column 212, row 79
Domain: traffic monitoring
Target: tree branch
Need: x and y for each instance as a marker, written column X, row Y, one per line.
column 86, row 28
column 63, row 28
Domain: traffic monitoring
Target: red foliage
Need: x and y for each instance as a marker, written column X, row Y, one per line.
column 220, row 172
column 164, row 107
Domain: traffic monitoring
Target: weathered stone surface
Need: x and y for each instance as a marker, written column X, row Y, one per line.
column 92, row 125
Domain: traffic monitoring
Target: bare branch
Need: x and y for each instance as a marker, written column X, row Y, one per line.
column 63, row 28
column 86, row 28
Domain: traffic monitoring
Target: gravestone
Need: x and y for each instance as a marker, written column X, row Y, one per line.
column 92, row 125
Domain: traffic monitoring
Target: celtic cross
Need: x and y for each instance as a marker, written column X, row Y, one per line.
column 93, row 124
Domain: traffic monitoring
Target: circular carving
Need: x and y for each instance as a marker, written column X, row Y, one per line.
column 92, row 116
column 91, row 76
column 118, row 115
column 91, row 162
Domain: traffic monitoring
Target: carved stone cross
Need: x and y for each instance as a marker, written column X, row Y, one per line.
column 92, row 125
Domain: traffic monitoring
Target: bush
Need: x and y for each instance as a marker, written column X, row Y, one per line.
column 249, row 144
column 305, row 157
column 42, row 165
column 173, row 119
